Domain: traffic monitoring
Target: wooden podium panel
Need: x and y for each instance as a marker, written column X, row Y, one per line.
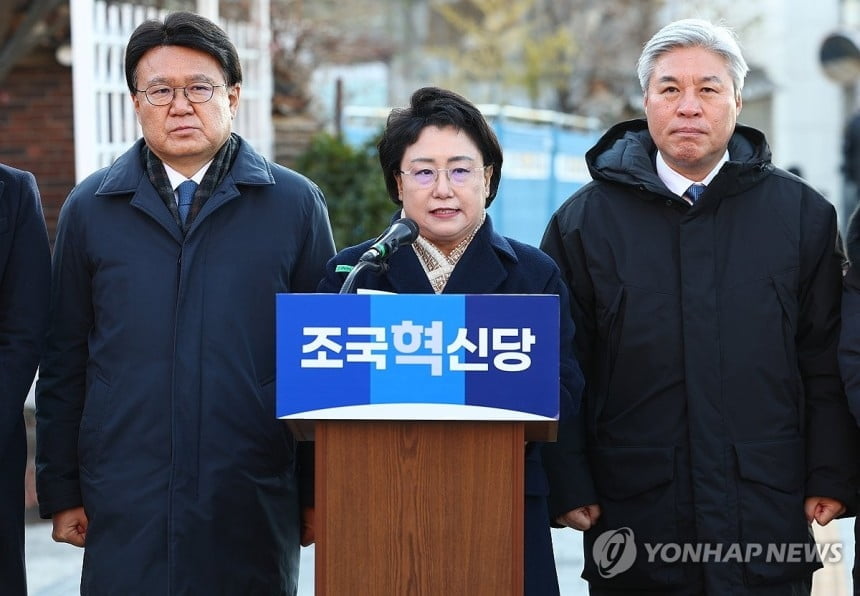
column 419, row 508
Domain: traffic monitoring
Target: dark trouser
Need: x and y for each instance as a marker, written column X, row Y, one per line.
column 540, row 574
column 13, row 461
column 855, row 571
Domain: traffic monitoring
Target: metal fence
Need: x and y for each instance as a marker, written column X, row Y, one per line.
column 105, row 122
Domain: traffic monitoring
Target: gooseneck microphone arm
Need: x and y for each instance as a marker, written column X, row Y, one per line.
column 348, row 286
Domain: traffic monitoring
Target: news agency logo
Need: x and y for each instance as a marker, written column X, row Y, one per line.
column 615, row 551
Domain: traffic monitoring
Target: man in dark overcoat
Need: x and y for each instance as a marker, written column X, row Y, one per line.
column 158, row 450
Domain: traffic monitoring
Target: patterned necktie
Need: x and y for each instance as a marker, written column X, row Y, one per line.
column 186, row 197
column 694, row 192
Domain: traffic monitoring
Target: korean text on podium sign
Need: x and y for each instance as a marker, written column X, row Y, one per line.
column 417, row 356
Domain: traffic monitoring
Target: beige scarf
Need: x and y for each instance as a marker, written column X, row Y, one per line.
column 437, row 265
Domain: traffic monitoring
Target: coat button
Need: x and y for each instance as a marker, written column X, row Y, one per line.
column 669, row 202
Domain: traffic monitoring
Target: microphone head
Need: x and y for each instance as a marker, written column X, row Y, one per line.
column 402, row 232
column 413, row 229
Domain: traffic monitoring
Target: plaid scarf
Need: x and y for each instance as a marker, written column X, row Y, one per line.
column 221, row 164
column 437, row 265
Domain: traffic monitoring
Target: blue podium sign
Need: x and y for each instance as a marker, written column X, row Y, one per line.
column 417, row 357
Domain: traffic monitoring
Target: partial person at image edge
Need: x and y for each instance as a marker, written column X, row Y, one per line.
column 25, row 277
column 849, row 348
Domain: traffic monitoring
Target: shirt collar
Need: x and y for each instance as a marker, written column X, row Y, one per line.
column 176, row 178
column 679, row 184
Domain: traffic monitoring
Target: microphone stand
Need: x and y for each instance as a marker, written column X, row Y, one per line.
column 348, row 286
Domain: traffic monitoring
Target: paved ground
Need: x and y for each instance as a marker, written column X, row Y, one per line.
column 54, row 569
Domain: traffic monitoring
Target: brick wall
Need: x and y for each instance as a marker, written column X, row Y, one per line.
column 37, row 132
column 36, row 127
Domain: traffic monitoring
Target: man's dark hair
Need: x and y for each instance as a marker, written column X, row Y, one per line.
column 431, row 106
column 184, row 29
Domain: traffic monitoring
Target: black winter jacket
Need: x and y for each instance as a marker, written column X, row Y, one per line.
column 707, row 335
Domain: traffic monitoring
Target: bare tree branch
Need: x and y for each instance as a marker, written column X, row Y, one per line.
column 26, row 35
column 6, row 11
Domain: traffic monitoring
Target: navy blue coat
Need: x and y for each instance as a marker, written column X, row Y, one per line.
column 25, row 277
column 493, row 264
column 155, row 403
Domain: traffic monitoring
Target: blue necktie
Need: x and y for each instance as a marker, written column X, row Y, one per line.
column 186, row 197
column 694, row 192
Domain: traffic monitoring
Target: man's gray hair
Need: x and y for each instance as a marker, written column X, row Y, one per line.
column 694, row 33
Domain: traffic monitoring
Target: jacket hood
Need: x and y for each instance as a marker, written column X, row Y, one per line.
column 625, row 154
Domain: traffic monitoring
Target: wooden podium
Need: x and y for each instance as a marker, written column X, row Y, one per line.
column 415, row 505
column 419, row 508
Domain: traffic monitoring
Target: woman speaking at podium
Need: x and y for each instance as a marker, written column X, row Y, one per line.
column 442, row 164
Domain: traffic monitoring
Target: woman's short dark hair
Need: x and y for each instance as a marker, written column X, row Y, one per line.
column 431, row 106
column 184, row 29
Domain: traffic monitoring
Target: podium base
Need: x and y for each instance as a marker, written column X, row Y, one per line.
column 415, row 507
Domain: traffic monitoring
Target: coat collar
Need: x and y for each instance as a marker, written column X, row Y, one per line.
column 127, row 176
column 480, row 270
column 625, row 154
column 124, row 175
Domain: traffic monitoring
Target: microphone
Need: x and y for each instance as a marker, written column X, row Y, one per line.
column 401, row 232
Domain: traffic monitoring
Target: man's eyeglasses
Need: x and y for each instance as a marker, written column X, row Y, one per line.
column 426, row 177
column 162, row 95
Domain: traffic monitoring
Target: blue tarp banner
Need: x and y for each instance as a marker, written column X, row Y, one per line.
column 544, row 163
